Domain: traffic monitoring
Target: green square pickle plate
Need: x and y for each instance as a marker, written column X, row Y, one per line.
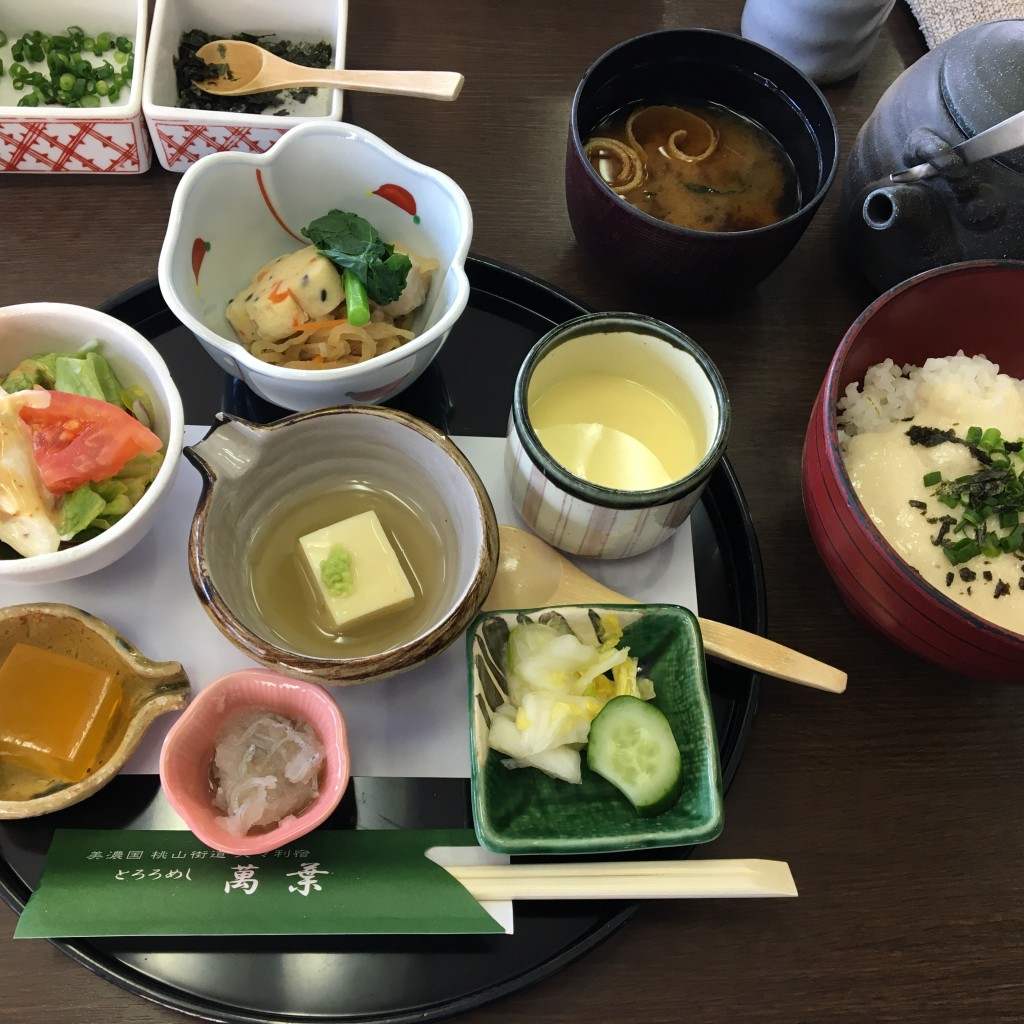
column 525, row 811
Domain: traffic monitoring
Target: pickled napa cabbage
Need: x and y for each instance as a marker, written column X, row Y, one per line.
column 557, row 685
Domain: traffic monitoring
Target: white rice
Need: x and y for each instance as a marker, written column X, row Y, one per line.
column 890, row 392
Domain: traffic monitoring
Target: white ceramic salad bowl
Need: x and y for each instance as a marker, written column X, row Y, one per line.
column 38, row 327
column 232, row 212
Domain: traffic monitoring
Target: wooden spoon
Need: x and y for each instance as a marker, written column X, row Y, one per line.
column 531, row 574
column 251, row 69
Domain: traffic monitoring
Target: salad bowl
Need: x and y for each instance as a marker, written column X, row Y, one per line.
column 30, row 329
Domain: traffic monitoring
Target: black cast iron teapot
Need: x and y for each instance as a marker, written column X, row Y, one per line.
column 966, row 210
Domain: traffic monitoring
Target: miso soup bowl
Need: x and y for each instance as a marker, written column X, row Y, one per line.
column 977, row 307
column 696, row 268
column 584, row 518
column 186, row 757
column 248, row 470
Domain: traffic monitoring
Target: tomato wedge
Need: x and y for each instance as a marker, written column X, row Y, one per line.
column 78, row 440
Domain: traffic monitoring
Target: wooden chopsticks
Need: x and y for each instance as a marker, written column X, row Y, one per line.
column 627, row 880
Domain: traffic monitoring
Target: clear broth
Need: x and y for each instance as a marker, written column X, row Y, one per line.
column 748, row 182
column 285, row 598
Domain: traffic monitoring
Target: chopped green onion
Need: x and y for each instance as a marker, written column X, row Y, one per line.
column 3, row 37
column 990, row 438
column 72, row 80
column 931, row 479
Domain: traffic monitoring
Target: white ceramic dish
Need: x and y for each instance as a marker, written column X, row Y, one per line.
column 108, row 139
column 35, row 327
column 232, row 212
column 181, row 135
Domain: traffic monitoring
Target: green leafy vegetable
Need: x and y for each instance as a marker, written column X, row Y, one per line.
column 353, row 244
column 29, row 373
column 89, row 375
column 78, row 510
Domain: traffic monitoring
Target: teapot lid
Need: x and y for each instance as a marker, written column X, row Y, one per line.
column 982, row 79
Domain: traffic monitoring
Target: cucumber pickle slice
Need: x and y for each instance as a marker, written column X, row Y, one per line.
column 632, row 746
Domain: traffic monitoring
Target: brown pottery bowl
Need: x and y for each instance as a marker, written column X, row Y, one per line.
column 319, row 468
column 676, row 65
column 977, row 307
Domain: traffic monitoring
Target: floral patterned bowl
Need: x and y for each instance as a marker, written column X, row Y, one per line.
column 233, row 212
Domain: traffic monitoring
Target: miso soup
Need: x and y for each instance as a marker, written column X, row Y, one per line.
column 291, row 607
column 696, row 165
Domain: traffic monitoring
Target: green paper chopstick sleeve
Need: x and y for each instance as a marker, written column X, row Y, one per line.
column 155, row 883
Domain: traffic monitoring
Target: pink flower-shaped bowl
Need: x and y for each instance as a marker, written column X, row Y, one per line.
column 188, row 752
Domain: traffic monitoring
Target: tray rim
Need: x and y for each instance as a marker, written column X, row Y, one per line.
column 751, row 610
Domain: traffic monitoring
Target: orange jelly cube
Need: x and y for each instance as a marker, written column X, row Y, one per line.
column 54, row 712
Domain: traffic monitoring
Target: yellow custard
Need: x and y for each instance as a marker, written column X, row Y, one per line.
column 617, row 432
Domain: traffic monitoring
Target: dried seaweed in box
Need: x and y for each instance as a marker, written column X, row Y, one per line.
column 188, row 68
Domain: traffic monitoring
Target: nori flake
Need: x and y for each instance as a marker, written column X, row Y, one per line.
column 189, row 68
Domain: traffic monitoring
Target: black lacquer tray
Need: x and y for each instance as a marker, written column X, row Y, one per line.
column 393, row 980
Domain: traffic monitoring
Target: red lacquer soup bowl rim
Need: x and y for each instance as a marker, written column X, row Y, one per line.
column 824, row 418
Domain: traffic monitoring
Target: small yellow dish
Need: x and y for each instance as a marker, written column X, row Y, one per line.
column 147, row 689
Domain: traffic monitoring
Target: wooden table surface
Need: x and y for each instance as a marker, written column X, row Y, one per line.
column 898, row 805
